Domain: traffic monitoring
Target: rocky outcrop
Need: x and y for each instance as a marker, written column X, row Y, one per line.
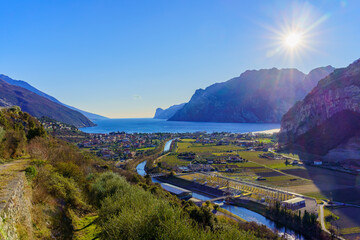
column 168, row 112
column 15, row 209
column 256, row 96
column 329, row 116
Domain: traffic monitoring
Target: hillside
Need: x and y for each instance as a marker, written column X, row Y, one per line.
column 23, row 84
column 255, row 96
column 70, row 194
column 39, row 106
column 168, row 112
column 327, row 121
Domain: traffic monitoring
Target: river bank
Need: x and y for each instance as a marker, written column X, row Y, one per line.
column 241, row 212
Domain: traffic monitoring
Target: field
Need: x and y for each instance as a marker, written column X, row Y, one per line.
column 348, row 221
column 237, row 187
column 172, row 160
column 145, row 149
column 311, row 181
column 209, row 148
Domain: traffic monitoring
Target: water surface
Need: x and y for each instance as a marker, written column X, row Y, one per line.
column 150, row 125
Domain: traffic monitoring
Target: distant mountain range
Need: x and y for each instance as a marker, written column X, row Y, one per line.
column 39, row 106
column 168, row 112
column 255, row 96
column 327, row 121
column 23, row 84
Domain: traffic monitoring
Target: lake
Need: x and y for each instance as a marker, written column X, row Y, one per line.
column 150, row 125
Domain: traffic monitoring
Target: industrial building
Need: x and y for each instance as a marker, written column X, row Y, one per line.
column 294, row 203
column 178, row 191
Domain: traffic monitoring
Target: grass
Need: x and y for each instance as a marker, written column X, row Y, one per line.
column 145, row 149
column 351, row 230
column 264, row 140
column 173, row 160
column 317, row 195
column 199, row 147
column 283, row 166
column 188, row 140
column 84, row 227
column 329, row 217
column 279, row 178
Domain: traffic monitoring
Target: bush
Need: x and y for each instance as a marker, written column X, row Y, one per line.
column 65, row 189
column 129, row 212
column 30, row 172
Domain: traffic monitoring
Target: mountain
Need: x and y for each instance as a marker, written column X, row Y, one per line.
column 23, row 84
column 327, row 121
column 39, row 106
column 168, row 112
column 255, row 96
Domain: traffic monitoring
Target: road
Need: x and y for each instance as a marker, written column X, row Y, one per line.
column 322, row 221
column 322, row 218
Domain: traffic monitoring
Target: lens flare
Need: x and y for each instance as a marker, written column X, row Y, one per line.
column 292, row 40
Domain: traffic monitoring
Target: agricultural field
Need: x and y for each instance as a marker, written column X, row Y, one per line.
column 240, row 188
column 347, row 221
column 145, row 149
column 171, row 160
column 209, row 148
column 311, row 181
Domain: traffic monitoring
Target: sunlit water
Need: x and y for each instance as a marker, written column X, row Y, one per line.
column 149, row 125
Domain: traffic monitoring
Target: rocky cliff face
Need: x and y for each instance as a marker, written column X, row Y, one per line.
column 168, row 112
column 255, row 96
column 329, row 116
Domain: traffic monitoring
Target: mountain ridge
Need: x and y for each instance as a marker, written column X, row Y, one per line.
column 39, row 106
column 26, row 85
column 255, row 96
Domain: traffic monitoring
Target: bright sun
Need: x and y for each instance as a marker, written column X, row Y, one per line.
column 292, row 40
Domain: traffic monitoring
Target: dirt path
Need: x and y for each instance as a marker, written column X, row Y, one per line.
column 10, row 173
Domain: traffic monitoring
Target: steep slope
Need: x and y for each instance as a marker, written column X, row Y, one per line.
column 23, row 84
column 168, row 112
column 329, row 116
column 39, row 106
column 256, row 96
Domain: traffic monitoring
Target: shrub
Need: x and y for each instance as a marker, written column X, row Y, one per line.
column 30, row 172
column 65, row 189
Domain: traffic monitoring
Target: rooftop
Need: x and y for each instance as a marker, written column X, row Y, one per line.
column 294, row 200
column 174, row 189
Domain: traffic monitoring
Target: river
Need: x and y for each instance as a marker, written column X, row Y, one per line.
column 244, row 213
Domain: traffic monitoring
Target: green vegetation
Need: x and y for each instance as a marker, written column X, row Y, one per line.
column 130, row 212
column 329, row 217
column 30, row 172
column 145, row 149
column 75, row 195
column 351, row 230
column 317, row 195
column 306, row 222
column 172, row 160
column 199, row 147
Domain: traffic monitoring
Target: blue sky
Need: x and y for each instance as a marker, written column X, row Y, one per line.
column 126, row 58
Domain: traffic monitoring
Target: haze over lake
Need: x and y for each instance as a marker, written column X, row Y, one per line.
column 149, row 125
